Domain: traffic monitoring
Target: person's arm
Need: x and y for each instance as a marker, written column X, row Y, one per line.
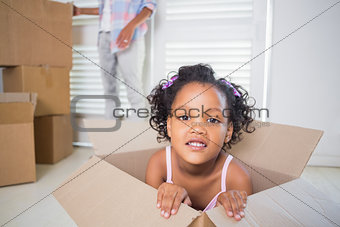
column 234, row 200
column 169, row 196
column 125, row 36
column 82, row 11
column 153, row 175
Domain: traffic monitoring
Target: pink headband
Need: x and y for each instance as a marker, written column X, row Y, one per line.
column 236, row 93
column 170, row 82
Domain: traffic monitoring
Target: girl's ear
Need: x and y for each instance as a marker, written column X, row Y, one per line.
column 168, row 126
column 229, row 132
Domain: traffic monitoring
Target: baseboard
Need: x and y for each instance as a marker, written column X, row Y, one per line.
column 324, row 160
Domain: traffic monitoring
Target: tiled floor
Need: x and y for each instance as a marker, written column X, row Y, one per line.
column 33, row 205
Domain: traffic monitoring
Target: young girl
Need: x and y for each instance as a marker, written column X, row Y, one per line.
column 200, row 116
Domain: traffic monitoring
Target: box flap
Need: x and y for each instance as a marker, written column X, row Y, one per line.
column 202, row 221
column 276, row 149
column 133, row 163
column 273, row 154
column 99, row 194
column 17, row 107
column 19, row 97
column 296, row 203
column 131, row 136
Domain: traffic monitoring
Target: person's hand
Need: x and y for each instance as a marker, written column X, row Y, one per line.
column 234, row 202
column 76, row 11
column 169, row 198
column 125, row 36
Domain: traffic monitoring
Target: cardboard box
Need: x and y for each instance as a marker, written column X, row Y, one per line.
column 111, row 192
column 17, row 162
column 35, row 32
column 105, row 143
column 53, row 138
column 52, row 85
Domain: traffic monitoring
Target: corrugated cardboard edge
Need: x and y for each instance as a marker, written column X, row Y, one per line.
column 105, row 143
column 19, row 97
column 316, row 143
column 258, row 157
column 306, row 199
column 91, row 197
column 295, row 203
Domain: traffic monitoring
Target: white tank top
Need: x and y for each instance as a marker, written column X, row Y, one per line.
column 106, row 20
column 213, row 202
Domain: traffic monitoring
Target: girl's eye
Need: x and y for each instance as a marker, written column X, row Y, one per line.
column 213, row 120
column 184, row 118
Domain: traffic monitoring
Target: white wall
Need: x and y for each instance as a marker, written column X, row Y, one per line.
column 304, row 77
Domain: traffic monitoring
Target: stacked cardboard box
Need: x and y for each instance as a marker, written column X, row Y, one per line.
column 17, row 164
column 53, row 132
column 35, row 32
column 36, row 49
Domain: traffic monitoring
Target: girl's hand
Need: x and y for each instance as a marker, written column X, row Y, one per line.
column 234, row 202
column 169, row 198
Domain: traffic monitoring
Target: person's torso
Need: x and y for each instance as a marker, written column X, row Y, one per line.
column 201, row 190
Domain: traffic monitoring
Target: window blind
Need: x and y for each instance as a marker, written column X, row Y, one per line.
column 216, row 32
column 205, row 10
column 85, row 79
column 224, row 57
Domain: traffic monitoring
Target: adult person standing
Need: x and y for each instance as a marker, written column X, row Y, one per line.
column 121, row 44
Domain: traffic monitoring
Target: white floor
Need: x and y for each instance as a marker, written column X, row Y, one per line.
column 33, row 205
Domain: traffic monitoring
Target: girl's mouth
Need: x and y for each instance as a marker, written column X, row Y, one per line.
column 196, row 145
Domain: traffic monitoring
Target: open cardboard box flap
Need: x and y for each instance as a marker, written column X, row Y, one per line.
column 109, row 190
column 132, row 134
column 19, row 107
column 17, row 159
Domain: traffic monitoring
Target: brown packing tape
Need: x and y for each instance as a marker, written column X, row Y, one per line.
column 47, row 74
column 34, row 98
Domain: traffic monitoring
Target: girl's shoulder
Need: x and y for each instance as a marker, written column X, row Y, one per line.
column 159, row 159
column 238, row 177
column 156, row 168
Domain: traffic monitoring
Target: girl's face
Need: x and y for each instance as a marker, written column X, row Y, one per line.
column 198, row 126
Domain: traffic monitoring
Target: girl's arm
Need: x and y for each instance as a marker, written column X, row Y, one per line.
column 154, row 170
column 239, row 187
column 169, row 196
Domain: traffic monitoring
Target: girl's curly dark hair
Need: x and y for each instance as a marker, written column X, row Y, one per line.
column 161, row 100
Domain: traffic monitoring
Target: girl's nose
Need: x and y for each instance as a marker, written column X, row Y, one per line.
column 198, row 128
